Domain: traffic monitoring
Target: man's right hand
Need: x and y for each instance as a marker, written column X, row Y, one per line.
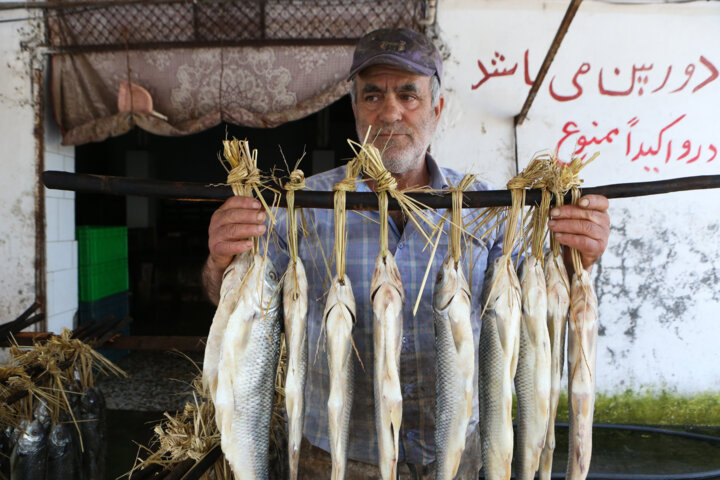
column 232, row 229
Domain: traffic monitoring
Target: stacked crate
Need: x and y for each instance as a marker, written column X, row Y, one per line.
column 103, row 276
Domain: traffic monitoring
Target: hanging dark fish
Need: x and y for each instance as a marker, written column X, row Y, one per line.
column 92, row 428
column 63, row 452
column 29, row 454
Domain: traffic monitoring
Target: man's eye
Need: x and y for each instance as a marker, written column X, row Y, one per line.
column 371, row 98
column 408, row 97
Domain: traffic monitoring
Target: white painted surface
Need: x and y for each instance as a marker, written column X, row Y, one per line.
column 658, row 282
column 17, row 181
column 61, row 246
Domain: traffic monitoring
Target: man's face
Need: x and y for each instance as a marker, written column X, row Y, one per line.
column 398, row 106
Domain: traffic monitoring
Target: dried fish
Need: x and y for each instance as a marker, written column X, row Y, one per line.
column 229, row 293
column 387, row 298
column 246, row 373
column 558, row 305
column 498, row 351
column 455, row 366
column 339, row 319
column 582, row 345
column 295, row 308
column 532, row 379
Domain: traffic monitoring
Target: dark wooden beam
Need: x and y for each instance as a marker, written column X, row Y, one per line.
column 549, row 57
column 110, row 185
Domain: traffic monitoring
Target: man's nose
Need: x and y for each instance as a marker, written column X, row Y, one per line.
column 391, row 110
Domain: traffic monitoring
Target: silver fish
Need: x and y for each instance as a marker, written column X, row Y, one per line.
column 582, row 346
column 29, row 455
column 339, row 318
column 63, row 460
column 498, row 352
column 454, row 367
column 92, row 426
column 246, row 373
column 229, row 292
column 387, row 297
column 532, row 379
column 558, row 305
column 295, row 308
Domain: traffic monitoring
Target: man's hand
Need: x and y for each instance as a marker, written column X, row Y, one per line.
column 584, row 227
column 232, row 228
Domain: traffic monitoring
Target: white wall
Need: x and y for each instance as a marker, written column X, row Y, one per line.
column 17, row 177
column 658, row 282
column 61, row 246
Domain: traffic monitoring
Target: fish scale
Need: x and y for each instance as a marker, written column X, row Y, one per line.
column 339, row 320
column 532, row 379
column 246, row 373
column 497, row 351
column 454, row 367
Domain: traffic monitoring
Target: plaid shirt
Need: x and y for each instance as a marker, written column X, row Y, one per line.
column 417, row 358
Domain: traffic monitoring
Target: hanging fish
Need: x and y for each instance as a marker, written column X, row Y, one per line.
column 246, row 373
column 582, row 346
column 92, row 428
column 387, row 297
column 498, row 353
column 454, row 368
column 29, row 455
column 229, row 292
column 63, row 452
column 339, row 319
column 295, row 307
column 532, row 379
column 558, row 305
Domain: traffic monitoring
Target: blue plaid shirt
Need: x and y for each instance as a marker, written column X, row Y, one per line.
column 417, row 358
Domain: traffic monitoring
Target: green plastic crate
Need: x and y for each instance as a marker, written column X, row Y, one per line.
column 98, row 245
column 102, row 279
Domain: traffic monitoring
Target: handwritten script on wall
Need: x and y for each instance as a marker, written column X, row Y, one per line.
column 664, row 145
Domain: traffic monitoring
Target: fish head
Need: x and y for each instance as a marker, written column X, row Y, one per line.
column 270, row 284
column 448, row 282
column 386, row 273
column 341, row 293
column 31, row 437
column 41, row 413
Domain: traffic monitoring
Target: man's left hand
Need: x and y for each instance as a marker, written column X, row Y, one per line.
column 584, row 227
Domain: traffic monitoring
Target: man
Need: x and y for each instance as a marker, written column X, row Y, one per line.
column 396, row 78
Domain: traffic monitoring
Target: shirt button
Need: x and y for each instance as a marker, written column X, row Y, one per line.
column 401, row 246
column 404, row 340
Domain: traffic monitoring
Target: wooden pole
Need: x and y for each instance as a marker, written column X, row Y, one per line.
column 81, row 182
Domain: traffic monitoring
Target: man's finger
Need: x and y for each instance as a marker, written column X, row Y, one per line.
column 596, row 231
column 237, row 231
column 594, row 202
column 236, row 215
column 240, row 202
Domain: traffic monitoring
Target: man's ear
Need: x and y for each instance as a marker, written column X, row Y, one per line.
column 439, row 107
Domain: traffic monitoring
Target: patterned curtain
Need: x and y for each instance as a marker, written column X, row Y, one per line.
column 195, row 88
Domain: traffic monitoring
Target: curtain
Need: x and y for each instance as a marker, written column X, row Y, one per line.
column 195, row 88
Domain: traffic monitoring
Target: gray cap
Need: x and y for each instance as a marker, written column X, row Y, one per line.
column 401, row 47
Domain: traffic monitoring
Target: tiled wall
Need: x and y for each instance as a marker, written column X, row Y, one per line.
column 61, row 246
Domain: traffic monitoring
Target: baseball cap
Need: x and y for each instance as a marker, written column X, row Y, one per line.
column 401, row 47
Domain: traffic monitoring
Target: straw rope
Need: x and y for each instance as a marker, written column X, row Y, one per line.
column 296, row 182
column 348, row 184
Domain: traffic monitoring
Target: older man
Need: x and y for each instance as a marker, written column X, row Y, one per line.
column 396, row 76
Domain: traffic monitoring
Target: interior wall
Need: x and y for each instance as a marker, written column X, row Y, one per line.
column 17, row 181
